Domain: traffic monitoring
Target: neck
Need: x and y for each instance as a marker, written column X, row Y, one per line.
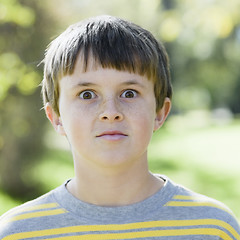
column 114, row 186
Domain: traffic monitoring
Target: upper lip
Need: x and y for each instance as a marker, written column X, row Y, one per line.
column 111, row 133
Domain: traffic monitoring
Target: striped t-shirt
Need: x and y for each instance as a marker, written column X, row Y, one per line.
column 173, row 213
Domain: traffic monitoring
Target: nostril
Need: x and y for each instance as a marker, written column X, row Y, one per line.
column 106, row 118
column 111, row 117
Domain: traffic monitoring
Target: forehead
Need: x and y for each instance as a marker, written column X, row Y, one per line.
column 86, row 63
column 92, row 64
column 97, row 76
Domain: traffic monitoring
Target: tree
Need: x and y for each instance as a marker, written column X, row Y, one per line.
column 22, row 24
column 203, row 42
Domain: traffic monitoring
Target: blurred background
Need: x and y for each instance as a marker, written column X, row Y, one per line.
column 199, row 146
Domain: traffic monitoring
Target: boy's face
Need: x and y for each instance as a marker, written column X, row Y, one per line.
column 108, row 116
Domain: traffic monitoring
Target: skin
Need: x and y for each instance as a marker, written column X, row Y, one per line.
column 108, row 117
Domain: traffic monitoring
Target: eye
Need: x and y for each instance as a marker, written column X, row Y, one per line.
column 87, row 94
column 129, row 94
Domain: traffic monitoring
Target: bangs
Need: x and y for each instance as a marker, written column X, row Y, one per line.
column 110, row 44
column 122, row 51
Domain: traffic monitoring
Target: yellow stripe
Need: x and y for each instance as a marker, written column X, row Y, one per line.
column 40, row 206
column 38, row 214
column 195, row 204
column 185, row 197
column 145, row 234
column 19, row 214
column 37, row 207
column 122, row 227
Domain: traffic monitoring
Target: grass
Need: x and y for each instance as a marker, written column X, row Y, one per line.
column 203, row 156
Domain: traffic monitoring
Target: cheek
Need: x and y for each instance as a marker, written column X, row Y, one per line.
column 70, row 120
column 144, row 124
column 146, row 114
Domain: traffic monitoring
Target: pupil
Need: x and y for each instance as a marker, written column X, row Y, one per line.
column 129, row 94
column 87, row 95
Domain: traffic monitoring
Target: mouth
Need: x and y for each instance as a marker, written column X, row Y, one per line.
column 112, row 135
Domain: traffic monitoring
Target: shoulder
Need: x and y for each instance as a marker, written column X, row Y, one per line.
column 203, row 211
column 28, row 215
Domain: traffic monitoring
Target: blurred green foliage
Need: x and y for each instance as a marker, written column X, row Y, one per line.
column 21, row 122
column 203, row 41
column 13, row 12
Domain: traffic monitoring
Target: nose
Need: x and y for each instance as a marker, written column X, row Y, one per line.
column 110, row 111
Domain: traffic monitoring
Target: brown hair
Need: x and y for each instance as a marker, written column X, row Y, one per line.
column 113, row 43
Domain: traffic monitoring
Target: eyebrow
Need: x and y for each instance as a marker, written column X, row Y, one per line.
column 133, row 82
column 84, row 84
column 127, row 83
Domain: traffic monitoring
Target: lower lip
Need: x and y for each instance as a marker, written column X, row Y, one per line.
column 112, row 137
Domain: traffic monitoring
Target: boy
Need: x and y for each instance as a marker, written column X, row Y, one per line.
column 107, row 88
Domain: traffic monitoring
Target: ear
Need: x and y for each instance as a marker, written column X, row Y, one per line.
column 55, row 119
column 162, row 114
